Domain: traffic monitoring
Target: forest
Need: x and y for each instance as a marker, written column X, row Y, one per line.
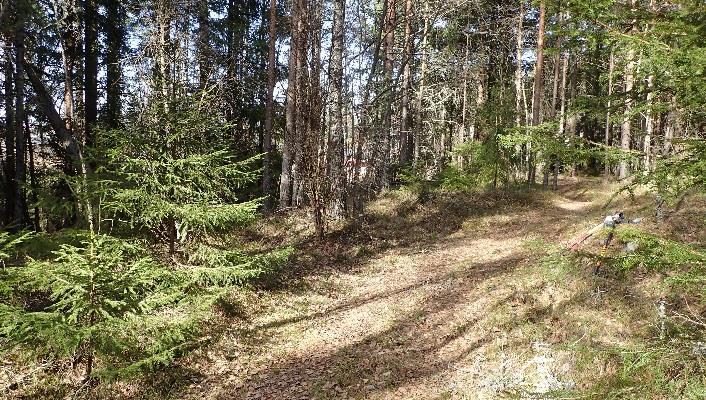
column 354, row 199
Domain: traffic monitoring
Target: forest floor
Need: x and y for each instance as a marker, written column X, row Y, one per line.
column 455, row 297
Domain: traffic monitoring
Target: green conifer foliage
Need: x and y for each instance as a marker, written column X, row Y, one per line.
column 93, row 295
column 104, row 300
column 175, row 174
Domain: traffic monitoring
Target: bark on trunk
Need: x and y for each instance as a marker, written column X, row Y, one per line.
column 316, row 164
column 290, row 131
column 518, row 65
column 336, row 142
column 538, row 87
column 359, row 189
column 626, row 126
column 67, row 141
column 382, row 158
column 302, row 117
column 90, row 70
column 269, row 106
column 21, row 217
column 68, row 56
column 649, row 113
column 608, row 123
column 9, row 165
column 115, row 41
column 419, row 124
column 32, row 174
column 405, row 133
column 203, row 45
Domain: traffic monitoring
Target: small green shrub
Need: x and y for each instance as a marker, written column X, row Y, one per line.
column 218, row 267
column 92, row 297
column 655, row 253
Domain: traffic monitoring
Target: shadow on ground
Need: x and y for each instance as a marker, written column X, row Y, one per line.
column 421, row 343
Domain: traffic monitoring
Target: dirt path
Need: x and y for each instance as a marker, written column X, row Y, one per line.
column 457, row 314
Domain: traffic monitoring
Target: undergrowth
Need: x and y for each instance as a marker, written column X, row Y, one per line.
column 670, row 361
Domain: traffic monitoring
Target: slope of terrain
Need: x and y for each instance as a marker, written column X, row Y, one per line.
column 463, row 296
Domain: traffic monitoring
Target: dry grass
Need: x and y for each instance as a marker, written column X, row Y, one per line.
column 452, row 298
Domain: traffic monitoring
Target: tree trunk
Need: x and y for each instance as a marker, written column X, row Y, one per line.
column 9, row 166
column 626, row 126
column 556, row 65
column 203, row 46
column 518, row 65
column 360, row 190
column 32, row 173
column 562, row 105
column 303, row 101
column 670, row 127
column 269, row 106
column 608, row 123
column 461, row 131
column 115, row 42
column 419, row 124
column 336, row 142
column 649, row 114
column 519, row 87
column 21, row 216
column 163, row 40
column 67, row 141
column 290, row 132
column 68, row 56
column 382, row 147
column 405, row 134
column 90, row 70
column 562, row 114
column 538, row 86
column 559, row 70
column 316, row 164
